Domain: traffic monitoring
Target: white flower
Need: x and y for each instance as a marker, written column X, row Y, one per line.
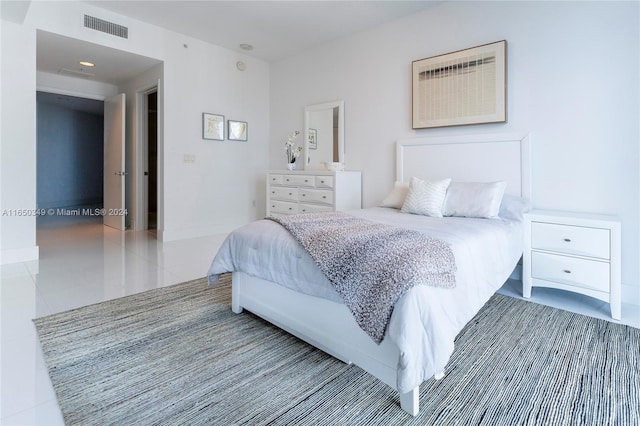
column 292, row 152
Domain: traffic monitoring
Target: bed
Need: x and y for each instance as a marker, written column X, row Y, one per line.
column 274, row 278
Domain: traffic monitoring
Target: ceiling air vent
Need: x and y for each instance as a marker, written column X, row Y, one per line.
column 105, row 26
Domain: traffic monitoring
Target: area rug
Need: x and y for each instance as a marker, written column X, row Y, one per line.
column 178, row 355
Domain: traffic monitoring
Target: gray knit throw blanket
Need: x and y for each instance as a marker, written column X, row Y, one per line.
column 371, row 264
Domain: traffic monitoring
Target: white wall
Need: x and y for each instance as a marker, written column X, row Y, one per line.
column 573, row 82
column 214, row 194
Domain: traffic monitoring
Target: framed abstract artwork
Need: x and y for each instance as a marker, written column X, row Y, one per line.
column 237, row 130
column 212, row 126
column 460, row 88
column 313, row 138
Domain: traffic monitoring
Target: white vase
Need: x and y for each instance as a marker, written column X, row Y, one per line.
column 291, row 166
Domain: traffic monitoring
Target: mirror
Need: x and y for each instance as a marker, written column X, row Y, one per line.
column 323, row 134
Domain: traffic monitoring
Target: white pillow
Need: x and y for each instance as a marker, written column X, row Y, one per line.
column 425, row 197
column 397, row 195
column 474, row 199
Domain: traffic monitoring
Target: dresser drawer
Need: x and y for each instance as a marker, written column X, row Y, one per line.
column 316, row 196
column 578, row 240
column 314, row 208
column 275, row 179
column 299, row 180
column 585, row 273
column 324, row 181
column 283, row 207
column 284, row 193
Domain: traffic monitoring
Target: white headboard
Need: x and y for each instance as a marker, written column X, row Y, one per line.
column 468, row 158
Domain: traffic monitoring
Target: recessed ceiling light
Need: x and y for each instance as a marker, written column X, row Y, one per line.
column 246, row 46
column 87, row 64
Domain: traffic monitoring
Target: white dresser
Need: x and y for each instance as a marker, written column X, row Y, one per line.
column 574, row 252
column 290, row 192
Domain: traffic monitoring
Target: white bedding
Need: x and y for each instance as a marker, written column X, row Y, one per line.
column 426, row 319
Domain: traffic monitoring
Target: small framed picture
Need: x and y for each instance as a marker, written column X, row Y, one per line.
column 313, row 139
column 212, row 126
column 237, row 130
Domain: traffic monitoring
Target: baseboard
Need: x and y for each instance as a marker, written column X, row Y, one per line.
column 19, row 255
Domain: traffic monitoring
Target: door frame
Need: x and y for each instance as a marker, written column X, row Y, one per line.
column 141, row 153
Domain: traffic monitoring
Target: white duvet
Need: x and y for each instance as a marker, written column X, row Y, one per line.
column 426, row 319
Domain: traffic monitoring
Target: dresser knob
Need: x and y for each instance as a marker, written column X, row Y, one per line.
column 304, row 195
column 567, row 240
column 566, row 271
column 324, row 196
column 290, row 193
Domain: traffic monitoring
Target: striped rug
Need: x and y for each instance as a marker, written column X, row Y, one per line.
column 179, row 356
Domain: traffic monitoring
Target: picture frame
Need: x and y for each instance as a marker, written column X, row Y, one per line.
column 237, row 130
column 461, row 88
column 313, row 139
column 212, row 126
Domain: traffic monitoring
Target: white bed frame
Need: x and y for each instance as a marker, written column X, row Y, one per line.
column 330, row 326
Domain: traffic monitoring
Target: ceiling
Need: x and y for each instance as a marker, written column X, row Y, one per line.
column 276, row 29
column 62, row 55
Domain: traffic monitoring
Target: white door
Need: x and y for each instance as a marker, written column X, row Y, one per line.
column 114, row 174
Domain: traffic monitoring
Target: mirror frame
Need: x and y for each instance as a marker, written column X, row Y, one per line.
column 318, row 107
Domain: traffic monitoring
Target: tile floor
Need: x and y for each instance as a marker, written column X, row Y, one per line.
column 84, row 262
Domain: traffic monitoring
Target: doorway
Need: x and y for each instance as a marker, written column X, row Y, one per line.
column 151, row 169
column 69, row 158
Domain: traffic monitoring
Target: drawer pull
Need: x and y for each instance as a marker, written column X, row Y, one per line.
column 321, row 181
column 290, row 208
column 566, row 271
column 324, row 196
column 567, row 240
column 290, row 193
column 304, row 195
column 273, row 192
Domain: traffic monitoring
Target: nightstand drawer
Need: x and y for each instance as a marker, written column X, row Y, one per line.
column 585, row 273
column 578, row 240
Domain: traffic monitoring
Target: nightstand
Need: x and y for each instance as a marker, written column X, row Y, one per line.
column 574, row 252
